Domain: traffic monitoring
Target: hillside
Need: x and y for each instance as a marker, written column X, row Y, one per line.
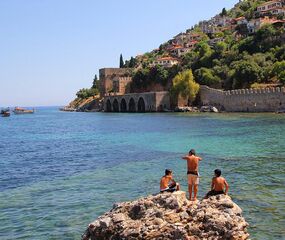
column 242, row 47
column 238, row 48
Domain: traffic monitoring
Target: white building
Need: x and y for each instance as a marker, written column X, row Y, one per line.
column 255, row 24
column 166, row 61
column 274, row 7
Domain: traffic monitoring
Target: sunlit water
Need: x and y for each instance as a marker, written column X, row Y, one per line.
column 59, row 171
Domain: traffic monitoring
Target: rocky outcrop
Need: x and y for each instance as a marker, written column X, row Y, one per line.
column 171, row 216
column 83, row 105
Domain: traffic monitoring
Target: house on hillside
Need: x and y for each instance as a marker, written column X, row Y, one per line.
column 191, row 44
column 166, row 61
column 214, row 24
column 214, row 41
column 221, row 21
column 239, row 21
column 179, row 50
column 193, row 37
column 180, row 39
column 274, row 7
column 255, row 24
column 208, row 27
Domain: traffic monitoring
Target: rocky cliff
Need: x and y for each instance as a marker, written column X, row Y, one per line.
column 81, row 105
column 171, row 216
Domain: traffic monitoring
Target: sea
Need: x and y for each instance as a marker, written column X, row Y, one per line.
column 60, row 170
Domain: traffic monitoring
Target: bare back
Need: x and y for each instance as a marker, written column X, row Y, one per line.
column 164, row 182
column 192, row 163
column 218, row 183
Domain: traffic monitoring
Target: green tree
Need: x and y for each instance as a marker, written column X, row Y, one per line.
column 279, row 71
column 207, row 77
column 245, row 73
column 224, row 12
column 87, row 92
column 132, row 63
column 185, row 86
column 279, row 53
column 121, row 61
column 158, row 74
column 95, row 82
column 220, row 48
column 140, row 79
column 242, row 29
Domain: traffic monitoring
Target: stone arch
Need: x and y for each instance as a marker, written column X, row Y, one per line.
column 141, row 105
column 108, row 106
column 123, row 105
column 132, row 105
column 116, row 106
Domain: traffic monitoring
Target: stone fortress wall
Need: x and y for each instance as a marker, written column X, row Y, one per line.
column 244, row 100
column 137, row 102
column 107, row 77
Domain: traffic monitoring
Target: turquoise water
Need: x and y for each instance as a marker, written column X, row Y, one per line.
column 59, row 171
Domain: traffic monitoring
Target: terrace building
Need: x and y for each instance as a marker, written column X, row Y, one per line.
column 274, row 7
column 166, row 61
column 255, row 24
column 179, row 51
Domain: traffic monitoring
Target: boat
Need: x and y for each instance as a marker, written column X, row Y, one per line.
column 18, row 110
column 5, row 112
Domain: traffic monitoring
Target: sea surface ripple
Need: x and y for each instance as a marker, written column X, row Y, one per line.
column 59, row 170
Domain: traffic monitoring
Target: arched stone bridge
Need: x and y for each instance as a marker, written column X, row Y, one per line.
column 137, row 102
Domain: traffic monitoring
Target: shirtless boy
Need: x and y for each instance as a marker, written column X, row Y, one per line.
column 167, row 183
column 192, row 173
column 219, row 185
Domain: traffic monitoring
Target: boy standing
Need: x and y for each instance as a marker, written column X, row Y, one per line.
column 192, row 173
column 167, row 183
column 219, row 185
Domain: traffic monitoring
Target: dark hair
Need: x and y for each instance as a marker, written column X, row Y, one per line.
column 168, row 171
column 218, row 172
column 192, row 152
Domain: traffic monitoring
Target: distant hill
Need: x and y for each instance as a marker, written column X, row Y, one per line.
column 238, row 48
column 241, row 47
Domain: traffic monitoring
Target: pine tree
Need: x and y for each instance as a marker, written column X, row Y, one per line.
column 224, row 12
column 95, row 81
column 121, row 61
column 132, row 62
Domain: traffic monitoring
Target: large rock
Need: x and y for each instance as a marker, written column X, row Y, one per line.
column 171, row 216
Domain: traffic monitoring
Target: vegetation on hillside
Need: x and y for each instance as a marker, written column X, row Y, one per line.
column 85, row 93
column 240, row 60
column 228, row 58
column 184, row 86
column 238, row 64
column 144, row 77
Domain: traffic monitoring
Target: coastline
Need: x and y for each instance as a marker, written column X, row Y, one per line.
column 210, row 100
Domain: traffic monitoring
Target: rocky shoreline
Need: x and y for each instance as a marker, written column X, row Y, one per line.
column 171, row 216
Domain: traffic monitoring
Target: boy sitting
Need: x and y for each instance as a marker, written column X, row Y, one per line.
column 167, row 183
column 219, row 184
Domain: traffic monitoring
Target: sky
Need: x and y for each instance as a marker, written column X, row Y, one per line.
column 49, row 49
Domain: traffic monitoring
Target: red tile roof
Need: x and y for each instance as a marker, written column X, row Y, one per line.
column 239, row 18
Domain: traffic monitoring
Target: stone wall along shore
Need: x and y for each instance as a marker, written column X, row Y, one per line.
column 244, row 100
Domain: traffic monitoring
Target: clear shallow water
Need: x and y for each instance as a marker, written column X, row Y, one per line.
column 59, row 171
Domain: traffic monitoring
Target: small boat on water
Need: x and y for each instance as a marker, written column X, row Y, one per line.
column 18, row 110
column 5, row 112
